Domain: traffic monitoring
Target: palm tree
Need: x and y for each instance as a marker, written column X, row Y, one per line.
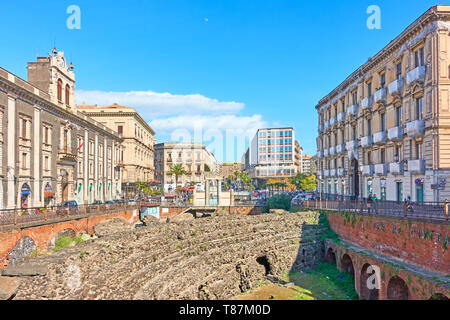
column 245, row 178
column 177, row 170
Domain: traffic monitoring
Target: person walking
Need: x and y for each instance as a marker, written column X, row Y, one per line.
column 375, row 199
column 369, row 203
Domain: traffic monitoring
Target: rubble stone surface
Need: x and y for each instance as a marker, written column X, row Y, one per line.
column 208, row 258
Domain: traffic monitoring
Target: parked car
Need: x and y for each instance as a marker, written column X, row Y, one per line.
column 97, row 202
column 70, row 204
column 131, row 202
column 109, row 204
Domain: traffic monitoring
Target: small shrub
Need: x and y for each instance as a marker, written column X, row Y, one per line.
column 63, row 242
column 280, row 201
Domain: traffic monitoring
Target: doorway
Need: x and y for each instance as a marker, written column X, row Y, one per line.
column 419, row 193
column 355, row 167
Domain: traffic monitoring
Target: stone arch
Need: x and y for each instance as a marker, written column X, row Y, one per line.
column 439, row 296
column 67, row 232
column 347, row 264
column 397, row 289
column 366, row 293
column 23, row 247
column 265, row 263
column 330, row 256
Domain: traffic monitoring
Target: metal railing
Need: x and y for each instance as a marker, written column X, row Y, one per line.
column 17, row 217
column 406, row 209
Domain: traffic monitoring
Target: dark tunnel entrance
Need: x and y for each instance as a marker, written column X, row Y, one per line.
column 265, row 262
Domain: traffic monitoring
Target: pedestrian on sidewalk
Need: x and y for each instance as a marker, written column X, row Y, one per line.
column 374, row 199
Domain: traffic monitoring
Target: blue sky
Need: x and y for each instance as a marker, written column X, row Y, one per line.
column 229, row 64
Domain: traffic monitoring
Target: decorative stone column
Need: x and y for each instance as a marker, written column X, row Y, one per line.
column 37, row 157
column 11, row 151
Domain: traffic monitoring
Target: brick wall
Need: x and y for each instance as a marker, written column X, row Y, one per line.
column 417, row 242
column 417, row 287
column 43, row 234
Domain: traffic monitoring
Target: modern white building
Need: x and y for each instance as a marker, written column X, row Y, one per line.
column 271, row 154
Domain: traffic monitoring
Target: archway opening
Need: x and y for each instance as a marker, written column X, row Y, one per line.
column 439, row 296
column 64, row 235
column 397, row 289
column 265, row 262
column 347, row 264
column 23, row 248
column 368, row 284
column 330, row 256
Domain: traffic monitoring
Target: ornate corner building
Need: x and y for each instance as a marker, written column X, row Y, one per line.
column 137, row 145
column 385, row 130
column 49, row 151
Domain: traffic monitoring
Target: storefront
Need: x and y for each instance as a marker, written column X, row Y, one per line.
column 25, row 196
column 419, row 190
column 49, row 195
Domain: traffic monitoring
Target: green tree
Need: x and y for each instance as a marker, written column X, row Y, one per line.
column 178, row 171
column 304, row 182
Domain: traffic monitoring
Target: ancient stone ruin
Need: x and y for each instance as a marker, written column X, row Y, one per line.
column 205, row 258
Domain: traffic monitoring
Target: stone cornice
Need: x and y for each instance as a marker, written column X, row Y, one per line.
column 31, row 98
column 134, row 114
column 433, row 14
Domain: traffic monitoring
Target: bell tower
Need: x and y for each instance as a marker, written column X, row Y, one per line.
column 54, row 75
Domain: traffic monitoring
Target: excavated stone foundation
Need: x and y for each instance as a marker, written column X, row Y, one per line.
column 208, row 258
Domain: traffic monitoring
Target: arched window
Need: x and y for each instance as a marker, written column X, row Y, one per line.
column 60, row 84
column 67, row 94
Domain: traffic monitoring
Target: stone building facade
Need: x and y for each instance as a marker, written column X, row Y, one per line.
column 50, row 152
column 385, row 130
column 227, row 169
column 298, row 157
column 272, row 154
column 196, row 160
column 137, row 146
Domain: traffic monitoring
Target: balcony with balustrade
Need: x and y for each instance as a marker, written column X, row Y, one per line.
column 351, row 145
column 415, row 129
column 416, row 166
column 333, row 172
column 396, row 168
column 333, row 122
column 366, row 103
column 67, row 153
column 416, row 75
column 380, row 96
column 367, row 170
column 352, row 154
column 366, row 142
column 340, row 149
column 341, row 172
column 381, row 169
column 379, row 138
column 396, row 87
column 352, row 110
column 332, row 151
column 395, row 134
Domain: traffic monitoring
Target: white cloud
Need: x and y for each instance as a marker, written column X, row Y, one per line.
column 187, row 118
column 227, row 136
column 153, row 104
column 230, row 123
